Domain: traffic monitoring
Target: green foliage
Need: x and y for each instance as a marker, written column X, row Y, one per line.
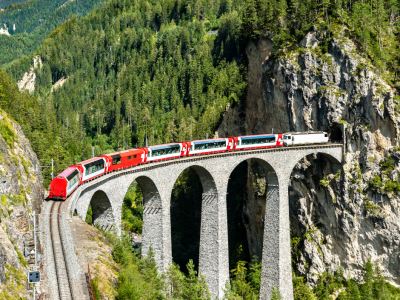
column 387, row 164
column 254, row 276
column 5, row 3
column 276, row 294
column 132, row 209
column 39, row 125
column 240, row 287
column 369, row 24
column 139, row 279
column 324, row 182
column 96, row 288
column 301, row 290
column 33, row 21
column 372, row 208
column 376, row 182
column 121, row 84
column 89, row 213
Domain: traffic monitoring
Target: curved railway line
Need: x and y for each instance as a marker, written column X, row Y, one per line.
column 65, row 290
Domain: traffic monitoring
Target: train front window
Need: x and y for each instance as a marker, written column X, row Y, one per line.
column 210, row 145
column 167, row 150
column 93, row 167
column 116, row 159
column 72, row 179
column 258, row 140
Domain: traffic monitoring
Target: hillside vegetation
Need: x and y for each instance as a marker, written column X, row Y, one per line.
column 135, row 69
column 33, row 21
column 4, row 3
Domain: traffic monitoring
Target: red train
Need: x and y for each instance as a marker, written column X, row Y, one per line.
column 68, row 180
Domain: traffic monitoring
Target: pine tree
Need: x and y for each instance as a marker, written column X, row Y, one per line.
column 353, row 290
column 276, row 294
column 366, row 287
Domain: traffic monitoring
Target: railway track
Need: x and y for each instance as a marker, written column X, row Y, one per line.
column 65, row 290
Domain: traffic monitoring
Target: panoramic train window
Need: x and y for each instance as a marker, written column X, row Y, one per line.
column 94, row 167
column 258, row 140
column 166, row 150
column 209, row 145
column 116, row 159
column 72, row 179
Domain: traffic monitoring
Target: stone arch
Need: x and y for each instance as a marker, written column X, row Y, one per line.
column 333, row 159
column 309, row 200
column 209, row 260
column 152, row 233
column 271, row 238
column 102, row 211
column 258, row 210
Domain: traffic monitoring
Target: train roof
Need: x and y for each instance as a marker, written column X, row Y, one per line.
column 165, row 145
column 124, row 152
column 67, row 171
column 209, row 140
column 306, row 132
column 89, row 160
column 265, row 134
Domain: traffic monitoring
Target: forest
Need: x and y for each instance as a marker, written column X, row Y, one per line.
column 121, row 85
column 136, row 72
column 4, row 3
column 29, row 24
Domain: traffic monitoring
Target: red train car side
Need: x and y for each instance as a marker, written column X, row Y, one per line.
column 124, row 159
column 65, row 183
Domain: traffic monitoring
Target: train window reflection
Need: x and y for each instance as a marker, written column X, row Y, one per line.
column 94, row 167
column 72, row 179
column 116, row 159
column 209, row 145
column 258, row 140
column 166, row 150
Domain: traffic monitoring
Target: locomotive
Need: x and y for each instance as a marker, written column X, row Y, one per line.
column 67, row 181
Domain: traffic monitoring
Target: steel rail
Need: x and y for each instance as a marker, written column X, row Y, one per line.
column 63, row 251
column 54, row 251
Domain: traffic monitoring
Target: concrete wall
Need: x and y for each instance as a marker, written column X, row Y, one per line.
column 157, row 181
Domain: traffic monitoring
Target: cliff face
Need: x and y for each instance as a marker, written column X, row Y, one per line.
column 21, row 191
column 340, row 215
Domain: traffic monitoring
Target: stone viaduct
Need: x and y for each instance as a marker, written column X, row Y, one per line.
column 156, row 180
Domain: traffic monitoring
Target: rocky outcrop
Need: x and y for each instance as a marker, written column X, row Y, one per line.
column 28, row 81
column 21, row 192
column 340, row 215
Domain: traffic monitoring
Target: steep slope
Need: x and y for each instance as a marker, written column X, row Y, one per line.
column 28, row 24
column 21, row 192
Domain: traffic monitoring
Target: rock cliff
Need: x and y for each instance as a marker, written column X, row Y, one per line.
column 21, row 191
column 340, row 215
